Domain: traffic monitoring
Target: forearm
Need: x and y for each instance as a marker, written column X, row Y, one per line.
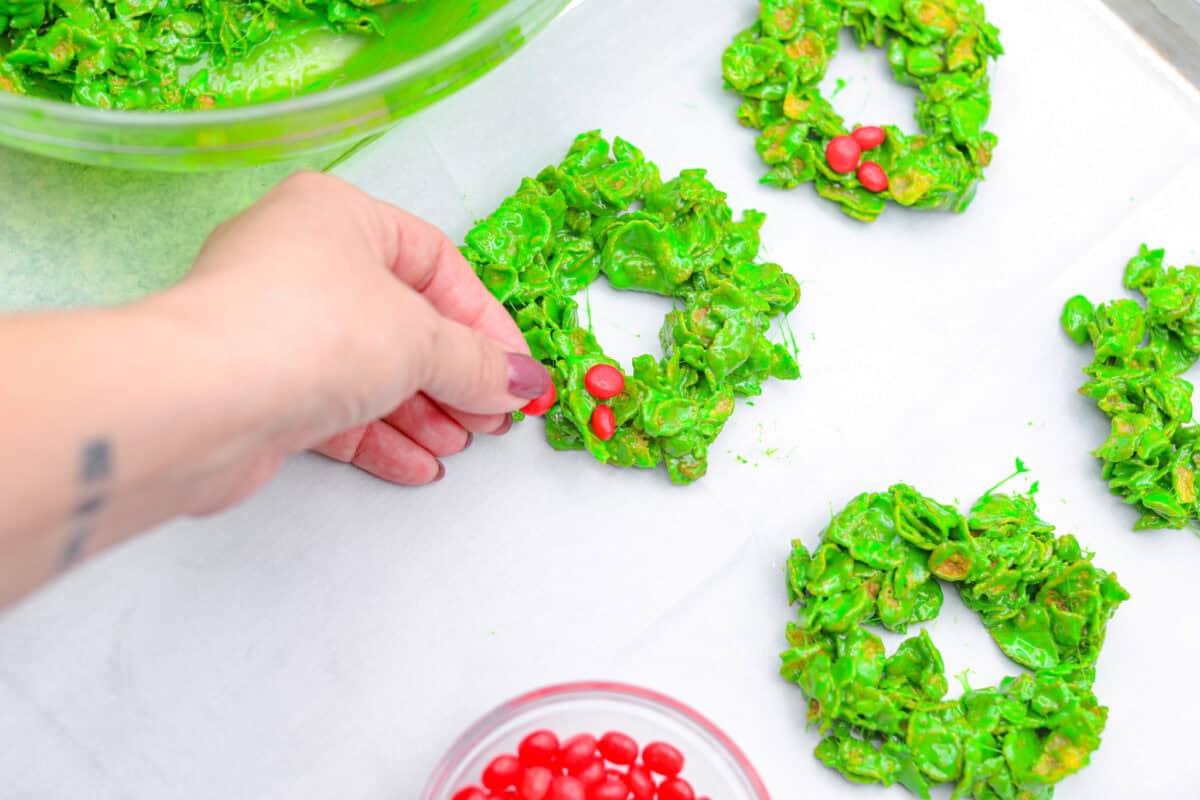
column 112, row 421
column 319, row 317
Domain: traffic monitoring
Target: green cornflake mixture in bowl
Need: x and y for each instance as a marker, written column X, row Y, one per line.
column 939, row 47
column 1141, row 353
column 885, row 718
column 155, row 54
column 202, row 84
column 605, row 210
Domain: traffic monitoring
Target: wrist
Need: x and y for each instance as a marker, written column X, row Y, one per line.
column 136, row 415
column 239, row 392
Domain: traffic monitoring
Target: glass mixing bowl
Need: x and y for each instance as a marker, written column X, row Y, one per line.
column 463, row 39
column 713, row 763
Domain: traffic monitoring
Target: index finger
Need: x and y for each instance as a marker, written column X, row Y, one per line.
column 425, row 259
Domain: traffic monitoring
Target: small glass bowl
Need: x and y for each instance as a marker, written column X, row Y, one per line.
column 325, row 123
column 714, row 765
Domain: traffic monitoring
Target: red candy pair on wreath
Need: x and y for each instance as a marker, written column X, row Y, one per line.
column 583, row 768
column 603, row 382
column 843, row 154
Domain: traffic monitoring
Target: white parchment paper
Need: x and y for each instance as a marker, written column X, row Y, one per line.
column 332, row 636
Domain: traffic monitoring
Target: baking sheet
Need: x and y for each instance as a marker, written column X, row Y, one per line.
column 332, row 636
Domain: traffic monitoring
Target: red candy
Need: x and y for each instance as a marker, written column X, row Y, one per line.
column 540, row 405
column 662, row 758
column 578, row 751
column 565, row 787
column 842, row 154
column 604, row 381
column 608, row 790
column 591, row 773
column 583, row 768
column 538, row 749
column 869, row 136
column 618, row 748
column 676, row 789
column 872, row 177
column 640, row 782
column 604, row 425
column 535, row 783
column 502, row 772
column 613, row 775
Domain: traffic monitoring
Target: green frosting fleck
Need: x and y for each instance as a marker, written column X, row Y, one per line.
column 605, row 210
column 1141, row 351
column 940, row 47
column 886, row 718
column 152, row 54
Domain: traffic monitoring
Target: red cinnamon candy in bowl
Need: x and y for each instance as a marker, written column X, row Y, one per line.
column 594, row 741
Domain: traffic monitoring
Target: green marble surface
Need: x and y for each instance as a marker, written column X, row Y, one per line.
column 75, row 235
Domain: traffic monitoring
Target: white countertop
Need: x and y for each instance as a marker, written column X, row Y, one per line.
column 332, row 636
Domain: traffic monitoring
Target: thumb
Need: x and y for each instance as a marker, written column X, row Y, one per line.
column 472, row 372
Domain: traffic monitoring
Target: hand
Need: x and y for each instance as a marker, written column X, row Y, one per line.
column 377, row 343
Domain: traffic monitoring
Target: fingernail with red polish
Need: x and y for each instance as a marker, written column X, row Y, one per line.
column 505, row 426
column 527, row 378
column 441, row 473
column 470, row 438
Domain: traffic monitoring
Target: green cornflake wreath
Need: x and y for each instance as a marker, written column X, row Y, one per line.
column 605, row 210
column 885, row 718
column 940, row 47
column 1141, row 353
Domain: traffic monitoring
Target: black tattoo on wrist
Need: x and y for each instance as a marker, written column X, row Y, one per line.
column 94, row 480
column 95, row 461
